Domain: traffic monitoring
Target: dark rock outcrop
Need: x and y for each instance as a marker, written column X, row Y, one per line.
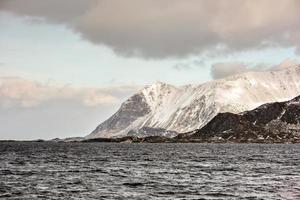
column 273, row 122
column 130, row 110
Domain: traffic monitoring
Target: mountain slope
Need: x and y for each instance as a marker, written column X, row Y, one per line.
column 186, row 108
column 274, row 122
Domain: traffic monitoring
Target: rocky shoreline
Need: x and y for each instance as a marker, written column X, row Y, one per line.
column 179, row 139
column 160, row 139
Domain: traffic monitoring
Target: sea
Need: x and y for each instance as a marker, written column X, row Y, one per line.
column 48, row 170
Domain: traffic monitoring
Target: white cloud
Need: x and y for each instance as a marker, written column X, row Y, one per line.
column 15, row 91
column 225, row 69
column 31, row 110
column 173, row 27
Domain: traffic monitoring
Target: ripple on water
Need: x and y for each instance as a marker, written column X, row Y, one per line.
column 149, row 171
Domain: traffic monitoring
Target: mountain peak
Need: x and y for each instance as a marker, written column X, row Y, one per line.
column 158, row 85
column 184, row 109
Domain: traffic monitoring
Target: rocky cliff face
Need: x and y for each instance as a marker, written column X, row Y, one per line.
column 273, row 122
column 182, row 109
column 134, row 108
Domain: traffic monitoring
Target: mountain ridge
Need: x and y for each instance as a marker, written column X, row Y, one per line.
column 190, row 107
column 276, row 122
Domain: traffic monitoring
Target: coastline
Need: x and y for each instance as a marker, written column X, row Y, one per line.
column 159, row 139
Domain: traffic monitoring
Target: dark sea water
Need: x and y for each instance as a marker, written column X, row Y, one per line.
column 149, row 171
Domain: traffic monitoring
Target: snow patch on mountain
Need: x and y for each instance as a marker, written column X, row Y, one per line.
column 190, row 107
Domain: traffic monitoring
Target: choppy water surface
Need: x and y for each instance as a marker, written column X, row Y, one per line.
column 149, row 171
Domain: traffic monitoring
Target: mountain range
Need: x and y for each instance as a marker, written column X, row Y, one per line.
column 272, row 122
column 277, row 122
column 165, row 110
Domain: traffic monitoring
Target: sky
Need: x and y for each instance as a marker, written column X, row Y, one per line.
column 66, row 66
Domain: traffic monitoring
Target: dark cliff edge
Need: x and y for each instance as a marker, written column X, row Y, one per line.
column 277, row 122
column 270, row 123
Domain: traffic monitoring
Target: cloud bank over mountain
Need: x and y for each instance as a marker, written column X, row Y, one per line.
column 225, row 69
column 16, row 91
column 172, row 28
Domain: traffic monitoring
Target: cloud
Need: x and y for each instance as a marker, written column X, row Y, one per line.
column 221, row 70
column 15, row 91
column 32, row 110
column 286, row 63
column 189, row 65
column 225, row 69
column 182, row 66
column 55, row 10
column 169, row 28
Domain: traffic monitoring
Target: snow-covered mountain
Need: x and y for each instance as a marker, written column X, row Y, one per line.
column 186, row 108
column 271, row 122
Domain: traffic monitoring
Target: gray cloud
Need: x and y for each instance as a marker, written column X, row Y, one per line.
column 157, row 29
column 182, row 66
column 65, row 11
column 222, row 70
column 225, row 69
column 189, row 65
